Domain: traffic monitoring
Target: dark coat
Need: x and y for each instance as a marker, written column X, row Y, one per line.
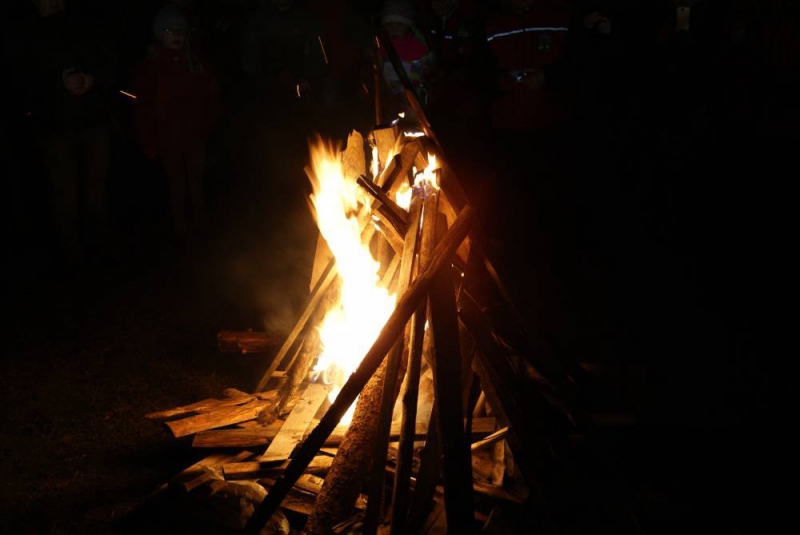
column 178, row 104
column 40, row 49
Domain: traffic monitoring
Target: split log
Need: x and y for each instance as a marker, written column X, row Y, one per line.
column 370, row 363
column 389, row 235
column 237, row 438
column 246, row 342
column 206, row 405
column 385, row 141
column 218, row 418
column 398, row 217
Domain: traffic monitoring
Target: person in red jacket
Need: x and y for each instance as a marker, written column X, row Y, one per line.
column 175, row 115
column 527, row 42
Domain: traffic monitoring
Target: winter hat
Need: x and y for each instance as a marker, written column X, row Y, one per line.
column 398, row 11
column 170, row 17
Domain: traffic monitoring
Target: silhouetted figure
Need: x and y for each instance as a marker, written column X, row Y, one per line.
column 528, row 40
column 458, row 88
column 65, row 68
column 175, row 114
column 397, row 19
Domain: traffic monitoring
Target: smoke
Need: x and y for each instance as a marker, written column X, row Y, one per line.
column 271, row 235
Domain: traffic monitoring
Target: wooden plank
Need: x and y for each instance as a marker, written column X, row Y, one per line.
column 294, row 428
column 237, row 438
column 407, row 304
column 218, row 418
column 385, row 141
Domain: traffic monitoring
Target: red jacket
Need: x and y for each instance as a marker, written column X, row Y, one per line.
column 177, row 109
column 533, row 40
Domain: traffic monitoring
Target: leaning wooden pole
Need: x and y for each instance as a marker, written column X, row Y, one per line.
column 354, row 385
column 395, row 371
column 457, row 467
column 410, row 390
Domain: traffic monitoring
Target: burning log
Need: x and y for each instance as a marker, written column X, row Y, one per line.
column 369, row 365
column 396, row 216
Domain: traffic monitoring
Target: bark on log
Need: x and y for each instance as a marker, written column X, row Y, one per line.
column 352, row 462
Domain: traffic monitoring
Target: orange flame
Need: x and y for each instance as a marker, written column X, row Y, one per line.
column 351, row 326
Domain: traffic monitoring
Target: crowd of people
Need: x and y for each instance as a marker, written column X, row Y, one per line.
column 519, row 86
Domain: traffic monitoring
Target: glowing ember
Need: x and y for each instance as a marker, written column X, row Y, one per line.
column 351, row 326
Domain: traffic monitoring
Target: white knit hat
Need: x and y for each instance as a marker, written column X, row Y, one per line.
column 398, row 11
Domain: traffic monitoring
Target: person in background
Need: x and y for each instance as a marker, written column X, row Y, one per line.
column 397, row 20
column 64, row 68
column 175, row 115
column 528, row 43
column 459, row 85
column 529, row 117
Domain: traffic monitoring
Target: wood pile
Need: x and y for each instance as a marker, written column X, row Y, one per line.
column 456, row 413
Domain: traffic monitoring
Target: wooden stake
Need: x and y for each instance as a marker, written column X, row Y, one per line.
column 447, row 384
column 393, row 374
column 411, row 385
column 386, row 339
